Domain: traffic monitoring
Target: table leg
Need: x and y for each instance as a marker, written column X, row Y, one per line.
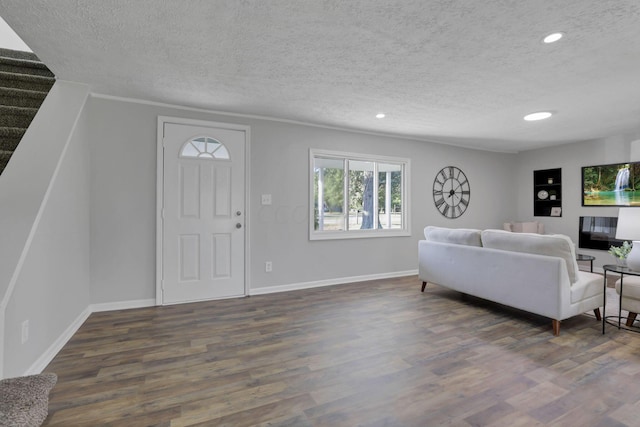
column 604, row 302
column 620, row 301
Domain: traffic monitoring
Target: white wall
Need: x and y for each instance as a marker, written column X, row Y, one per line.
column 50, row 192
column 571, row 158
column 280, row 232
column 123, row 204
column 10, row 40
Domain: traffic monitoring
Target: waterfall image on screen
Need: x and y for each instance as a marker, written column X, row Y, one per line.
column 611, row 185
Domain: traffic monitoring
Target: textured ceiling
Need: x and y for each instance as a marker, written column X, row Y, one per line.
column 456, row 71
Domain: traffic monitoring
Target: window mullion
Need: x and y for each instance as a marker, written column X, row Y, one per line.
column 387, row 198
column 374, row 226
column 320, row 200
column 345, row 202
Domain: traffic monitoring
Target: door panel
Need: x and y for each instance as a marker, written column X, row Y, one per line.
column 221, row 250
column 189, row 257
column 190, row 191
column 203, row 213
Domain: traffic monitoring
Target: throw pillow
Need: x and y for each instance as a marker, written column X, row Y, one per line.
column 458, row 236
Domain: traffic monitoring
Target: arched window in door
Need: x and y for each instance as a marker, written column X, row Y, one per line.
column 204, row 148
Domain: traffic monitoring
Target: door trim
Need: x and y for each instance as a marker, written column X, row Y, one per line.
column 160, row 193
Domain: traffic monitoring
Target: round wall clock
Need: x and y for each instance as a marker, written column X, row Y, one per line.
column 451, row 192
column 542, row 194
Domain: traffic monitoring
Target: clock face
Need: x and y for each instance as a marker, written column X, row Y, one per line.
column 542, row 194
column 451, row 192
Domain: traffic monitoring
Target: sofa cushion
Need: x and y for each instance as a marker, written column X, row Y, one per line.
column 557, row 245
column 589, row 285
column 458, row 236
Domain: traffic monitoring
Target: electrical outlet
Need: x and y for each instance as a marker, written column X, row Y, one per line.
column 268, row 266
column 25, row 331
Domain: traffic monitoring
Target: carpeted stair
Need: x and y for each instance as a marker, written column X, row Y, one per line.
column 24, row 83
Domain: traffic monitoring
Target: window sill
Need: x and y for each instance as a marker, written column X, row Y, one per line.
column 357, row 234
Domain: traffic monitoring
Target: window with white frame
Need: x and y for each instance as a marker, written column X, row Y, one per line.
column 357, row 195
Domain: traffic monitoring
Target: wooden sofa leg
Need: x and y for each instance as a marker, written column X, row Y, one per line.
column 631, row 318
column 556, row 327
column 424, row 285
column 596, row 311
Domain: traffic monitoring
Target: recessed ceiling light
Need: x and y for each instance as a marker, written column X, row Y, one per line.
column 552, row 38
column 540, row 115
column 380, row 116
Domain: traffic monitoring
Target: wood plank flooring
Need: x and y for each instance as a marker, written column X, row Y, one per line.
column 378, row 353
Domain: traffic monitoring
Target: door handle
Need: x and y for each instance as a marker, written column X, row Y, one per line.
column 238, row 213
column 238, row 225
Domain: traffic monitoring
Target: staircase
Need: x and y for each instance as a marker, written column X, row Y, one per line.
column 24, row 83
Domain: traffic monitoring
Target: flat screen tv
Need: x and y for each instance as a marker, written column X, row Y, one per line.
column 598, row 232
column 616, row 184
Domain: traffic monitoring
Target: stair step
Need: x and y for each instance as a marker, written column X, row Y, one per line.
column 10, row 137
column 21, row 97
column 4, row 159
column 18, row 54
column 24, row 66
column 16, row 116
column 26, row 81
column 24, row 84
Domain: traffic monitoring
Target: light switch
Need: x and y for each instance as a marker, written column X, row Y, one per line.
column 266, row 199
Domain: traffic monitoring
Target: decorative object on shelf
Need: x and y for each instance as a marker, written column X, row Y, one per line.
column 451, row 192
column 547, row 192
column 629, row 228
column 620, row 253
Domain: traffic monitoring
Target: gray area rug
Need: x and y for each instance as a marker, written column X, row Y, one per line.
column 24, row 401
column 613, row 302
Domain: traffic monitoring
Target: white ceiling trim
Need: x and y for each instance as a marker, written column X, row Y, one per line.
column 288, row 121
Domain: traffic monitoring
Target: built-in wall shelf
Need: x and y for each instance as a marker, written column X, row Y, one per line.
column 547, row 192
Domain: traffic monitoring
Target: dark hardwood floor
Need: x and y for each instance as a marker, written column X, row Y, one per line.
column 374, row 354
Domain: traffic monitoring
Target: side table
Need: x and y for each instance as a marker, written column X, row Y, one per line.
column 582, row 257
column 622, row 271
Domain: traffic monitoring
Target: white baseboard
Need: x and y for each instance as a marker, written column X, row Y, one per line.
column 53, row 350
column 329, row 282
column 122, row 305
column 46, row 357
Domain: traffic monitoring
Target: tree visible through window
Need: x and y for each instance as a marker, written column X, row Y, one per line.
column 356, row 193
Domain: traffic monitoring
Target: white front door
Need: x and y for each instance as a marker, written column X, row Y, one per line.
column 203, row 214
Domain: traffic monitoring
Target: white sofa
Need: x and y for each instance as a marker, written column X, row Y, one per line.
column 532, row 272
